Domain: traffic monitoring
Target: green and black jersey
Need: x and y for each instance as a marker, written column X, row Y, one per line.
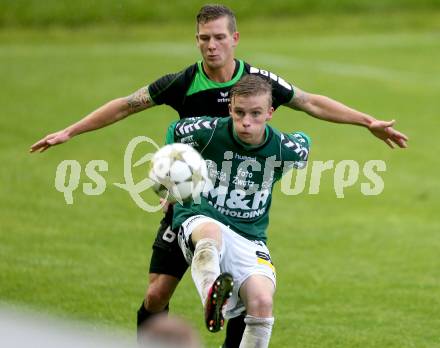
column 242, row 176
column 192, row 94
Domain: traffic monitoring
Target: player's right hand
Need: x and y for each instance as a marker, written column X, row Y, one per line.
column 165, row 206
column 384, row 130
column 50, row 140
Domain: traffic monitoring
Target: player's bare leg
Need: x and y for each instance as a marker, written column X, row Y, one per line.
column 162, row 283
column 160, row 290
column 257, row 294
column 167, row 266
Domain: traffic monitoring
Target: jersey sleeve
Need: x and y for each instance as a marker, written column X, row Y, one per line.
column 169, row 137
column 196, row 131
column 165, row 90
column 282, row 91
column 170, row 89
column 295, row 149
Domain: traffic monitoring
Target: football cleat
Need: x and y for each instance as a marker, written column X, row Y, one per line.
column 218, row 295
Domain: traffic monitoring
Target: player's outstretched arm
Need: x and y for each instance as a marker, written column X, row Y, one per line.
column 328, row 109
column 109, row 113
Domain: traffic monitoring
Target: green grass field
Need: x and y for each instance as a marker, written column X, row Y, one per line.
column 353, row 272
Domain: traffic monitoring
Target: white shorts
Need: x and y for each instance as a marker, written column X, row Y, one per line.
column 239, row 256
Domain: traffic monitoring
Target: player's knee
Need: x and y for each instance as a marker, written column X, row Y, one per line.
column 261, row 305
column 207, row 230
column 157, row 298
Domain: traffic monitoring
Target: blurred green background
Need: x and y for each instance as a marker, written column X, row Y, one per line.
column 84, row 12
column 354, row 272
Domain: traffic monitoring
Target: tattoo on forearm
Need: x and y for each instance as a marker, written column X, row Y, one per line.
column 139, row 100
column 300, row 98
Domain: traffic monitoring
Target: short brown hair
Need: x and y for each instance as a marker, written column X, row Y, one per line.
column 251, row 85
column 214, row 11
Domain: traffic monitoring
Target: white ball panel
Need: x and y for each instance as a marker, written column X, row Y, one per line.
column 180, row 171
column 164, row 151
column 180, row 147
column 192, row 158
column 185, row 189
column 161, row 167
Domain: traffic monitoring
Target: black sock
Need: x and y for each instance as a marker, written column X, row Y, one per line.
column 143, row 315
column 234, row 332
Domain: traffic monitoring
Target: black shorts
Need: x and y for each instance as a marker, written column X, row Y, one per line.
column 167, row 257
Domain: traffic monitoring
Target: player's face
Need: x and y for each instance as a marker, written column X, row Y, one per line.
column 216, row 43
column 249, row 115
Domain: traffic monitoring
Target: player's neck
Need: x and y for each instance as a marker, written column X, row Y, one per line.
column 221, row 74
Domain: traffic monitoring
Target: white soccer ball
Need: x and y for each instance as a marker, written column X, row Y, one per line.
column 179, row 173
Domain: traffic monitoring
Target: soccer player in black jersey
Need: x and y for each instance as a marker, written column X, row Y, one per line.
column 203, row 89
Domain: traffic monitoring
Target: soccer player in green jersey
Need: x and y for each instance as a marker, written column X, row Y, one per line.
column 223, row 235
column 203, row 89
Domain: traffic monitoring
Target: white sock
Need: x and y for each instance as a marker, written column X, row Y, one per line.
column 257, row 332
column 205, row 266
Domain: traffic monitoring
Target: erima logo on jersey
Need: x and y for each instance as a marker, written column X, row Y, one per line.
column 274, row 77
column 224, row 97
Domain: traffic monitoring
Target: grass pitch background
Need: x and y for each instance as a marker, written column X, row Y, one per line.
column 353, row 272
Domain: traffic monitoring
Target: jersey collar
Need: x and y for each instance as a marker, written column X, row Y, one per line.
column 201, row 82
column 238, row 71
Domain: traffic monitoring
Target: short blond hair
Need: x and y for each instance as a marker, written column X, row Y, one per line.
column 251, row 85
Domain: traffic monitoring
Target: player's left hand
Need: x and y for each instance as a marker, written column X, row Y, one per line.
column 384, row 130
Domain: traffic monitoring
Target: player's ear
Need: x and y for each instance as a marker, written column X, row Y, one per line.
column 230, row 109
column 269, row 113
column 235, row 38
